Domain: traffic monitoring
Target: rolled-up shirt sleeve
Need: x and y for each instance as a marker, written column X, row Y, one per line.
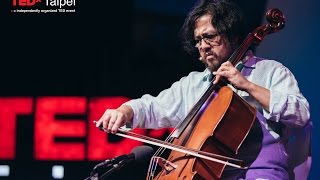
column 171, row 105
column 156, row 112
column 287, row 104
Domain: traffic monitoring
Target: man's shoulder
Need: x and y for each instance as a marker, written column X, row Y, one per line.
column 195, row 75
column 259, row 61
column 198, row 73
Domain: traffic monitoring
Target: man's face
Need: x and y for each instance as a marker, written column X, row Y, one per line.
column 214, row 48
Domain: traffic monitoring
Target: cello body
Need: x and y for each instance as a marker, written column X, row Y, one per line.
column 224, row 110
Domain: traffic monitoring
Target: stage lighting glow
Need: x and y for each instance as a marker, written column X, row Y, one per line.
column 4, row 170
column 57, row 172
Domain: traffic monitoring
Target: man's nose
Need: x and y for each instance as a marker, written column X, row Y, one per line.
column 204, row 44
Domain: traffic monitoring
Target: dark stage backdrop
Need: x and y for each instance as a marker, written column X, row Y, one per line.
column 93, row 51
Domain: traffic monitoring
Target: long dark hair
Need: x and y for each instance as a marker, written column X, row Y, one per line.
column 227, row 18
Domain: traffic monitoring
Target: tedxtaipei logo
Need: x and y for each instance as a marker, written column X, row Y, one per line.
column 43, row 6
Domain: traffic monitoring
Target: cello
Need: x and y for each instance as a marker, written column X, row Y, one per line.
column 201, row 145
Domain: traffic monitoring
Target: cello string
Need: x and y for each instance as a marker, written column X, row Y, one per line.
column 154, row 166
column 153, row 163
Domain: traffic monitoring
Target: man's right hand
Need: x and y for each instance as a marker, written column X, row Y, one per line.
column 112, row 119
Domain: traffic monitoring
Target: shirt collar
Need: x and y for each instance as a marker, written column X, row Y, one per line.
column 207, row 75
column 249, row 60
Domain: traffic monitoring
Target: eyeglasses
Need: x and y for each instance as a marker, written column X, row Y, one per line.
column 211, row 39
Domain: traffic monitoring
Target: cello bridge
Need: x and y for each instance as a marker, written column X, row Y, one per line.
column 165, row 164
